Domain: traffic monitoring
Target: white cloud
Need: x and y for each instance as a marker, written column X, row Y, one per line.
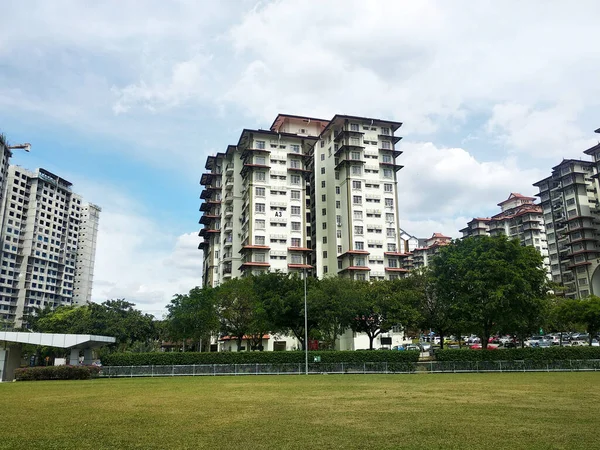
column 546, row 133
column 437, row 185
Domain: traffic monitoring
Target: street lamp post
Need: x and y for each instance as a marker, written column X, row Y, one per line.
column 305, row 326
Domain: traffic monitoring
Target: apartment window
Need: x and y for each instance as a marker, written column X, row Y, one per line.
column 337, row 174
column 324, row 225
column 357, row 200
column 295, row 226
column 322, row 184
column 572, row 213
column 339, row 265
column 260, row 191
column 391, row 247
column 324, row 239
column 295, row 195
column 385, row 131
column 387, row 173
column 358, row 215
column 323, row 197
column 295, row 179
column 389, row 202
column 355, row 156
column 393, row 263
column 259, row 257
column 360, row 261
column 339, row 249
column 325, row 269
column 337, row 190
column 294, row 164
column 389, row 217
column 325, row 254
column 338, row 234
column 386, row 145
column 338, row 204
column 295, row 148
column 296, row 242
column 356, row 184
column 356, row 170
column 324, row 212
column 358, row 230
column 338, row 220
column 570, row 201
column 260, row 145
column 323, row 156
column 259, row 207
column 386, row 158
column 359, row 245
column 388, row 187
column 259, row 240
column 260, row 224
column 260, row 160
column 261, row 176
column 295, row 210
column 322, row 170
column 390, row 232
column 353, row 127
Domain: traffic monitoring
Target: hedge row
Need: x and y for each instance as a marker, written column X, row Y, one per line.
column 56, row 373
column 172, row 358
column 515, row 354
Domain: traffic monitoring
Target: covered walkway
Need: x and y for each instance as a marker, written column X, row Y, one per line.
column 11, row 342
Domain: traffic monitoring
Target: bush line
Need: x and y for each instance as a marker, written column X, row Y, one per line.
column 56, row 373
column 516, row 354
column 166, row 359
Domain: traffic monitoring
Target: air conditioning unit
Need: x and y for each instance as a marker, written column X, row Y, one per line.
column 302, row 131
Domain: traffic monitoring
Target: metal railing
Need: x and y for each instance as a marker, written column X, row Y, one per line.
column 351, row 368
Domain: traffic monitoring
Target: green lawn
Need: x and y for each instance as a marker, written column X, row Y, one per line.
column 492, row 411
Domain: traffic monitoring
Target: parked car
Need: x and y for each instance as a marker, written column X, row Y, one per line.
column 413, row 347
column 595, row 343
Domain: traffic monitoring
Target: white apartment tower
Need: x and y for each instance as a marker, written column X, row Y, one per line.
column 270, row 201
column 569, row 198
column 519, row 218
column 49, row 243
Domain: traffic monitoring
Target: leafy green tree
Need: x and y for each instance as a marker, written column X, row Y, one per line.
column 283, row 299
column 585, row 312
column 381, row 305
column 116, row 318
column 490, row 281
column 330, row 301
column 193, row 316
column 237, row 303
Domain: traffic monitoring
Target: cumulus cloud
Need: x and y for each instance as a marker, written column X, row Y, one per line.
column 439, row 184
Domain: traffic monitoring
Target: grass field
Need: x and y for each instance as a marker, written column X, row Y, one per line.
column 528, row 410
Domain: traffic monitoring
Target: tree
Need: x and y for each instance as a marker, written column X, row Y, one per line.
column 380, row 305
column 236, row 300
column 193, row 316
column 116, row 318
column 585, row 312
column 283, row 299
column 490, row 281
column 330, row 301
column 438, row 312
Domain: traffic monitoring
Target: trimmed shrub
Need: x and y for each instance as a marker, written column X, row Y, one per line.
column 520, row 354
column 56, row 373
column 167, row 359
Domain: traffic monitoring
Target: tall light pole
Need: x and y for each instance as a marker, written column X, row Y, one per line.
column 305, row 326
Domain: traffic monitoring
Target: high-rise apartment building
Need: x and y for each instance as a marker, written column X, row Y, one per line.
column 519, row 218
column 48, row 244
column 306, row 194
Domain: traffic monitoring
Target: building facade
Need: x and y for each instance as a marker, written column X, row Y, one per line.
column 312, row 196
column 519, row 218
column 48, row 244
column 307, row 194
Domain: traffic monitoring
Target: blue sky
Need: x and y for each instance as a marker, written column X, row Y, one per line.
column 127, row 101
